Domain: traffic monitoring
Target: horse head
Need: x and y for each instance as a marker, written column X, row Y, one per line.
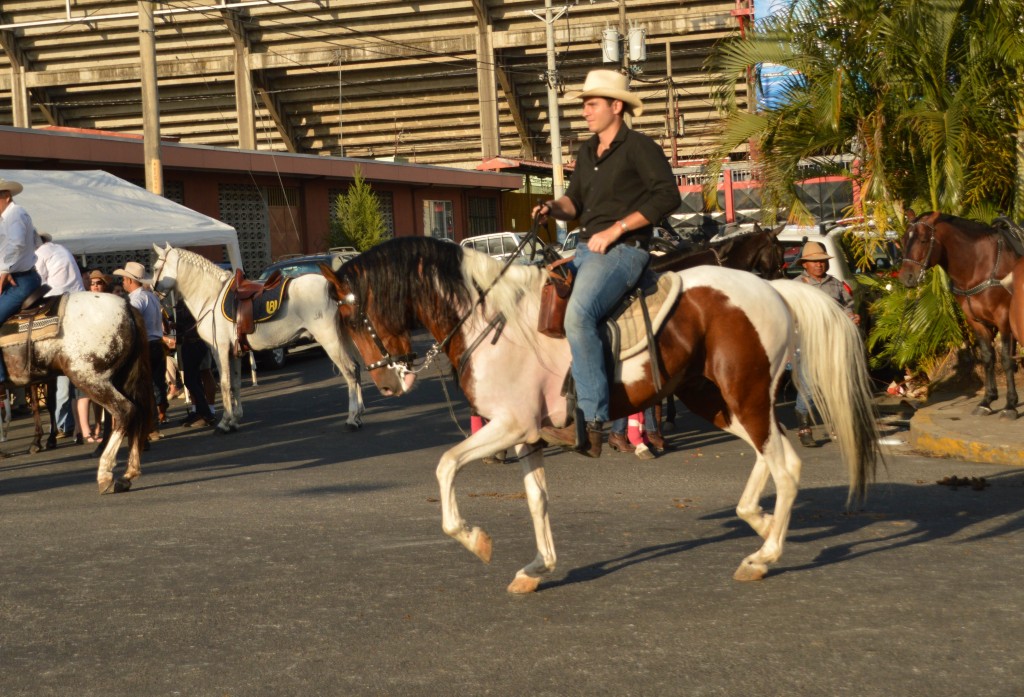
column 920, row 249
column 768, row 260
column 386, row 352
column 165, row 268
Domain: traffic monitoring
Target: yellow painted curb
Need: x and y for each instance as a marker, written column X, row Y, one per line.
column 939, row 439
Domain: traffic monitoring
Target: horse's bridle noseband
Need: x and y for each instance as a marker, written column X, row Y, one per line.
column 923, row 265
column 403, row 361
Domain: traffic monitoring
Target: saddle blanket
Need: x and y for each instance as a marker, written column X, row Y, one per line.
column 627, row 330
column 44, row 324
column 264, row 306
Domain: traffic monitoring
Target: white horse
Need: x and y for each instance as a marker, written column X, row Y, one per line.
column 308, row 310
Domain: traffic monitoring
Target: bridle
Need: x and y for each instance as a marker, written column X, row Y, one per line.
column 924, row 264
column 402, row 362
column 991, row 282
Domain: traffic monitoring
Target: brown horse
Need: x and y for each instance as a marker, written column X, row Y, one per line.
column 722, row 349
column 976, row 257
column 756, row 251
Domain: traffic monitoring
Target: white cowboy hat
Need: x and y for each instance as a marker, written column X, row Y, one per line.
column 9, row 185
column 135, row 271
column 813, row 251
column 610, row 84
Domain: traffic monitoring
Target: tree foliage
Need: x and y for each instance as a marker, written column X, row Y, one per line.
column 928, row 97
column 359, row 221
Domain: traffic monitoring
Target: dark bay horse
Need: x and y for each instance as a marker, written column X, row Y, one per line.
column 756, row 251
column 722, row 349
column 976, row 257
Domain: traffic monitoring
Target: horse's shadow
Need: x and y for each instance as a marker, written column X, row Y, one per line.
column 918, row 514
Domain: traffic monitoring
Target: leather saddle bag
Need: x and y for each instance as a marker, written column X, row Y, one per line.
column 554, row 298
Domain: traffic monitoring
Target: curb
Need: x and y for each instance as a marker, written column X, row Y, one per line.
column 942, row 435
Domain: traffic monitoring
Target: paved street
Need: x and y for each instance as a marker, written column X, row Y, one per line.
column 294, row 559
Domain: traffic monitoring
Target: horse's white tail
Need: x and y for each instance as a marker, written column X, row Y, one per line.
column 834, row 362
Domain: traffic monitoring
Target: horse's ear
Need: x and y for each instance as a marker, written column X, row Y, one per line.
column 910, row 214
column 156, row 248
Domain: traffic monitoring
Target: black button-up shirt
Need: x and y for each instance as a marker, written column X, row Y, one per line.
column 632, row 175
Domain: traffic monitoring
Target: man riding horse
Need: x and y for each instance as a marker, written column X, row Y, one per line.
column 18, row 275
column 622, row 184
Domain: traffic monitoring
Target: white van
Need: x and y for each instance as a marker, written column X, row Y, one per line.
column 501, row 245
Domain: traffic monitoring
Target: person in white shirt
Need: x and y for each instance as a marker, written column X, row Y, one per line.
column 58, row 269
column 135, row 281
column 18, row 276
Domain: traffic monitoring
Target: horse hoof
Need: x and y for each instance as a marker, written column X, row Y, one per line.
column 351, row 428
column 1008, row 414
column 33, row 449
column 122, row 485
column 981, row 411
column 482, row 546
column 106, row 486
column 523, row 584
column 750, row 572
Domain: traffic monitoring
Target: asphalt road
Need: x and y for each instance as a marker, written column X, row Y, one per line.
column 294, row 559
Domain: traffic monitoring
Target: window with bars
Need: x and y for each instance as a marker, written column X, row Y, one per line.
column 483, row 215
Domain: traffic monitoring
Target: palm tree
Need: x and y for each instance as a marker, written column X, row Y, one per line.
column 929, row 97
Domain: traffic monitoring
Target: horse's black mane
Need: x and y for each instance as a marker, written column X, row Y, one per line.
column 397, row 293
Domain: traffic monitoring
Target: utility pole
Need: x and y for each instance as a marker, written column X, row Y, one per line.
column 150, row 101
column 551, row 78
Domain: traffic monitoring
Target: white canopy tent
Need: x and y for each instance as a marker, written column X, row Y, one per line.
column 93, row 212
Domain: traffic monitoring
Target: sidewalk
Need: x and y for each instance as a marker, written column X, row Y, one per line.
column 945, row 427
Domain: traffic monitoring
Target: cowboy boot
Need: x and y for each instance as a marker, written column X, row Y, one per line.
column 583, row 438
column 657, row 442
column 804, row 430
column 619, row 442
column 591, row 447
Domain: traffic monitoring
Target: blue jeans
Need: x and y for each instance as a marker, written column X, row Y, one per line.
column 803, row 404
column 65, row 399
column 601, row 281
column 11, row 299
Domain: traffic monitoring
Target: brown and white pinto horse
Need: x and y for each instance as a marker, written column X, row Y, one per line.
column 976, row 257
column 722, row 351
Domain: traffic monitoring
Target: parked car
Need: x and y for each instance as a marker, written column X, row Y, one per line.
column 569, row 244
column 501, row 245
column 298, row 265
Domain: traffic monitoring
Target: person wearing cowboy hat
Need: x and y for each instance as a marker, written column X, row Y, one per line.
column 621, row 186
column 135, row 280
column 814, row 260
column 18, row 275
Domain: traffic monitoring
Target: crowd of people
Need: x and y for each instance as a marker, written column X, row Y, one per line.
column 30, row 260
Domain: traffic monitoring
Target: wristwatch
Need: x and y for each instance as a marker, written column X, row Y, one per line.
column 625, row 229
